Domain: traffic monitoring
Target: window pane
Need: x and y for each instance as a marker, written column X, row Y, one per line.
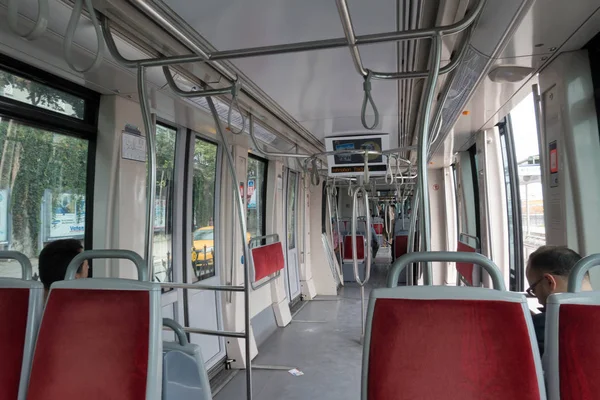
column 163, row 220
column 530, row 184
column 291, row 210
column 42, row 190
column 255, row 201
column 39, row 95
column 203, row 209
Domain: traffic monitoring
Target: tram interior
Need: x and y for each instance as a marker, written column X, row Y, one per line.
column 264, row 164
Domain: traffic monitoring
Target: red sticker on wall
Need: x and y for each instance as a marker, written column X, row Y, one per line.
column 554, row 160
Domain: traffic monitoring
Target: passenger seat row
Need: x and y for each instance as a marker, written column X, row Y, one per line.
column 469, row 343
column 95, row 339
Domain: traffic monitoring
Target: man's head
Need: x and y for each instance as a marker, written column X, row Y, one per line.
column 548, row 271
column 55, row 258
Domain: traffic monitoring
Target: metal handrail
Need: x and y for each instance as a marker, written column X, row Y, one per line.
column 132, row 256
column 360, row 282
column 265, row 237
column 393, row 36
column 193, row 286
column 477, row 241
column 177, row 329
column 579, row 270
column 446, row 256
column 26, row 269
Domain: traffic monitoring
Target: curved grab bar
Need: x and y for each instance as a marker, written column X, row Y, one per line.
column 21, row 259
column 177, row 329
column 368, row 235
column 445, row 256
column 579, row 270
column 111, row 254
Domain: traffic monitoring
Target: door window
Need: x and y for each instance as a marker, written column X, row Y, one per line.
column 291, row 210
column 203, row 209
column 256, row 190
column 163, row 209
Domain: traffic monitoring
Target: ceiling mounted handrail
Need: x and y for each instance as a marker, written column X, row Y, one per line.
column 393, row 36
column 233, row 90
column 41, row 23
column 269, row 153
column 194, row 93
column 344, row 13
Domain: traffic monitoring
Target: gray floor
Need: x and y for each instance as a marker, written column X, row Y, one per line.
column 323, row 342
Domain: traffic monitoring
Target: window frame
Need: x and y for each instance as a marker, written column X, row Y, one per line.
column 263, row 194
column 86, row 128
column 505, row 130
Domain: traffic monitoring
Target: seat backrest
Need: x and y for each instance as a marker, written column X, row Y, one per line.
column 428, row 342
column 400, row 245
column 267, row 260
column 184, row 372
column 571, row 351
column 360, row 247
column 466, row 269
column 20, row 312
column 99, row 338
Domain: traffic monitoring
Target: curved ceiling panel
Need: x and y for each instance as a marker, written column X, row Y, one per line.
column 321, row 89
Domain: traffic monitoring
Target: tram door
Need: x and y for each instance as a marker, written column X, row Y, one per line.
column 292, row 271
column 203, row 308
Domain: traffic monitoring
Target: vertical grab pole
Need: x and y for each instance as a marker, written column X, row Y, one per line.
column 360, row 282
column 423, row 185
column 151, row 150
column 246, row 251
column 412, row 228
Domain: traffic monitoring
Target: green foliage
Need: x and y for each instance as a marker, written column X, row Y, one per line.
column 33, row 161
column 42, row 96
column 203, row 192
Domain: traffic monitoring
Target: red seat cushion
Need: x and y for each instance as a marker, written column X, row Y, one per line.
column 400, row 245
column 465, row 269
column 92, row 345
column 267, row 260
column 578, row 353
column 360, row 247
column 14, row 305
column 450, row 349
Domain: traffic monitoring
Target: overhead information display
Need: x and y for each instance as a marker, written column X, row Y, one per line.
column 354, row 164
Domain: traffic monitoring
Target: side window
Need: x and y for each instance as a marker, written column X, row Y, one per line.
column 203, row 209
column 45, row 132
column 163, row 208
column 524, row 131
column 256, row 191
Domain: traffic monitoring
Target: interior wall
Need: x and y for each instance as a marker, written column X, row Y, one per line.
column 570, row 121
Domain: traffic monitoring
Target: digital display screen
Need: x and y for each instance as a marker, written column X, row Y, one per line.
column 357, row 144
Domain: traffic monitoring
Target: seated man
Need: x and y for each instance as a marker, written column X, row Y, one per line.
column 54, row 260
column 548, row 270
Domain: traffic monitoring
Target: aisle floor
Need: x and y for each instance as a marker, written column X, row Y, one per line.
column 322, row 341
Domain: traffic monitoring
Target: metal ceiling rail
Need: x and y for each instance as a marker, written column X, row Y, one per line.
column 394, row 36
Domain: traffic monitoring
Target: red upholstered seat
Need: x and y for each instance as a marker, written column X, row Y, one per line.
column 14, row 304
column 360, row 247
column 578, row 352
column 450, row 349
column 465, row 269
column 267, row 260
column 92, row 345
column 400, row 245
column 378, row 228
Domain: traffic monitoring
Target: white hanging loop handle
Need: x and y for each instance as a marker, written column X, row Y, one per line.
column 70, row 35
column 368, row 98
column 315, row 179
column 40, row 24
column 389, row 175
column 235, row 89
